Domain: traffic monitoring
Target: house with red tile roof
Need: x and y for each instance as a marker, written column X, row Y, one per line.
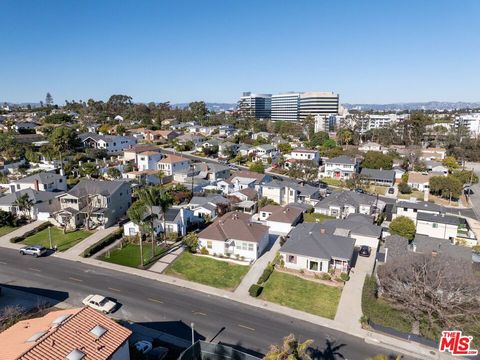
column 73, row 334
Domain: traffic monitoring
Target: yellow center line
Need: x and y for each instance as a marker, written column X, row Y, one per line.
column 75, row 279
column 246, row 327
column 33, row 269
column 155, row 300
column 113, row 289
column 199, row 313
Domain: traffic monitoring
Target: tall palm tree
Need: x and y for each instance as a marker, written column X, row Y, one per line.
column 150, row 197
column 165, row 201
column 161, row 175
column 291, row 349
column 24, row 204
column 137, row 213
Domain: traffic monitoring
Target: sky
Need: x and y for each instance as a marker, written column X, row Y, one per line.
column 213, row 50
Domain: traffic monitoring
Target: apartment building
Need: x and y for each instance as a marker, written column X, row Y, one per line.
column 469, row 121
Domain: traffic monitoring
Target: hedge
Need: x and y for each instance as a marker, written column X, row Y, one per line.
column 39, row 228
column 266, row 274
column 101, row 244
column 255, row 290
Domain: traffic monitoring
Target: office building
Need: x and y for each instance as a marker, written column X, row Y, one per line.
column 323, row 103
column 285, row 106
column 257, row 105
column 470, row 122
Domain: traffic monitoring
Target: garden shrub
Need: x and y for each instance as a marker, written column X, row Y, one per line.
column 255, row 290
column 266, row 273
column 103, row 243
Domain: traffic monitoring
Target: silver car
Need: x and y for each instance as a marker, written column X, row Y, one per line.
column 34, row 250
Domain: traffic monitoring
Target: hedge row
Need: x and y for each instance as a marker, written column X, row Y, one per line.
column 266, row 273
column 255, row 290
column 39, row 228
column 103, row 243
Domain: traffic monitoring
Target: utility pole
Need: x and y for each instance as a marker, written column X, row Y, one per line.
column 50, row 237
column 192, row 325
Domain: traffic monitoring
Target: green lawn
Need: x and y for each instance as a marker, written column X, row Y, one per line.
column 317, row 218
column 216, row 273
column 129, row 255
column 61, row 240
column 6, row 229
column 332, row 182
column 296, row 293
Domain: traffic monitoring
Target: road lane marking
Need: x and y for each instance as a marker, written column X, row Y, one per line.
column 155, row 300
column 198, row 313
column 33, row 269
column 113, row 289
column 75, row 279
column 3, row 263
column 246, row 327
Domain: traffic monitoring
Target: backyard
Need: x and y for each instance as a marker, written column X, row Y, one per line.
column 59, row 239
column 297, row 293
column 129, row 255
column 313, row 217
column 207, row 271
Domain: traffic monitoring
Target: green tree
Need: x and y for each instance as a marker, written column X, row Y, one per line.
column 377, row 160
column 450, row 162
column 49, row 99
column 345, row 136
column 89, row 169
column 291, row 349
column 257, row 167
column 137, row 214
column 24, row 204
column 57, row 119
column 114, row 173
column 165, row 202
column 404, row 188
column 199, row 110
column 466, row 176
column 64, row 139
column 191, row 241
column 120, row 130
column 403, row 226
column 264, row 201
column 285, row 148
column 446, row 186
column 318, row 139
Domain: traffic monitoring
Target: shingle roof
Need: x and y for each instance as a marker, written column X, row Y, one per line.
column 351, row 198
column 441, row 219
column 234, row 225
column 246, row 175
column 354, row 226
column 396, row 245
column 421, row 205
column 377, row 174
column 72, row 332
column 34, row 195
column 342, row 159
column 285, row 214
column 169, row 159
column 214, row 199
column 306, row 239
column 42, row 177
column 426, row 244
column 90, row 186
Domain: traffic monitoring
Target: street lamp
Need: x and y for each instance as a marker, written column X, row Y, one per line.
column 192, row 325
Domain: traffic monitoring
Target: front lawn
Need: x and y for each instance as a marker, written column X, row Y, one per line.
column 129, row 255
column 297, row 293
column 333, row 182
column 4, row 230
column 204, row 270
column 59, row 239
column 320, row 218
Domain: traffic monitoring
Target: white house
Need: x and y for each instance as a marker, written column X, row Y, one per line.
column 44, row 181
column 343, row 203
column 177, row 221
column 371, row 146
column 148, row 160
column 305, row 154
column 242, row 180
column 111, row 143
column 280, row 220
column 286, row 192
column 171, row 164
column 235, row 235
column 411, row 209
column 340, row 167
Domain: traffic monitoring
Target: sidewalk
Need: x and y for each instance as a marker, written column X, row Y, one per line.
column 5, row 239
column 166, row 260
column 77, row 250
column 257, row 269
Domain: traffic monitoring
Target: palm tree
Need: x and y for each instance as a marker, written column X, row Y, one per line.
column 150, row 197
column 165, row 201
column 291, row 349
column 136, row 214
column 161, row 175
column 24, row 204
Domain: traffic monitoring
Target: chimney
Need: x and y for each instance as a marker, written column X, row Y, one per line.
column 322, row 231
column 36, row 184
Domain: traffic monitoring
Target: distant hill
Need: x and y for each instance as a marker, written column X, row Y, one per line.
column 430, row 105
column 211, row 106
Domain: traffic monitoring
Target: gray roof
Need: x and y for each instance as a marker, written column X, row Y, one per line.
column 347, row 198
column 86, row 186
column 214, row 199
column 34, row 195
column 354, row 226
column 396, row 245
column 441, row 218
column 420, row 205
column 307, row 240
column 342, row 159
column 171, row 214
column 426, row 244
column 42, row 178
column 266, row 147
column 98, row 137
column 377, row 174
column 305, row 190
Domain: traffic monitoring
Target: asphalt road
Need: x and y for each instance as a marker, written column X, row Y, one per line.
column 170, row 308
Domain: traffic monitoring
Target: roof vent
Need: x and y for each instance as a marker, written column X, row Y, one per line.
column 98, row 331
column 36, row 336
column 75, row 355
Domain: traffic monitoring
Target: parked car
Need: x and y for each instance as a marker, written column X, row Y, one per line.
column 143, row 346
column 391, row 190
column 365, row 251
column 468, row 191
column 34, row 250
column 100, row 303
column 360, row 191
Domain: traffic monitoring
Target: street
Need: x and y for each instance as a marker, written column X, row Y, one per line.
column 169, row 308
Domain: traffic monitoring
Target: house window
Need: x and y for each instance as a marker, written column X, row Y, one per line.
column 209, row 244
column 292, row 259
column 313, row 265
column 250, row 247
column 435, row 225
column 244, row 246
column 131, row 231
column 405, row 209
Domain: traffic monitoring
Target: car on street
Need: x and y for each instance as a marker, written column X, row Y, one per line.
column 143, row 346
column 34, row 250
column 100, row 303
column 365, row 251
column 391, row 190
column 468, row 191
column 360, row 191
